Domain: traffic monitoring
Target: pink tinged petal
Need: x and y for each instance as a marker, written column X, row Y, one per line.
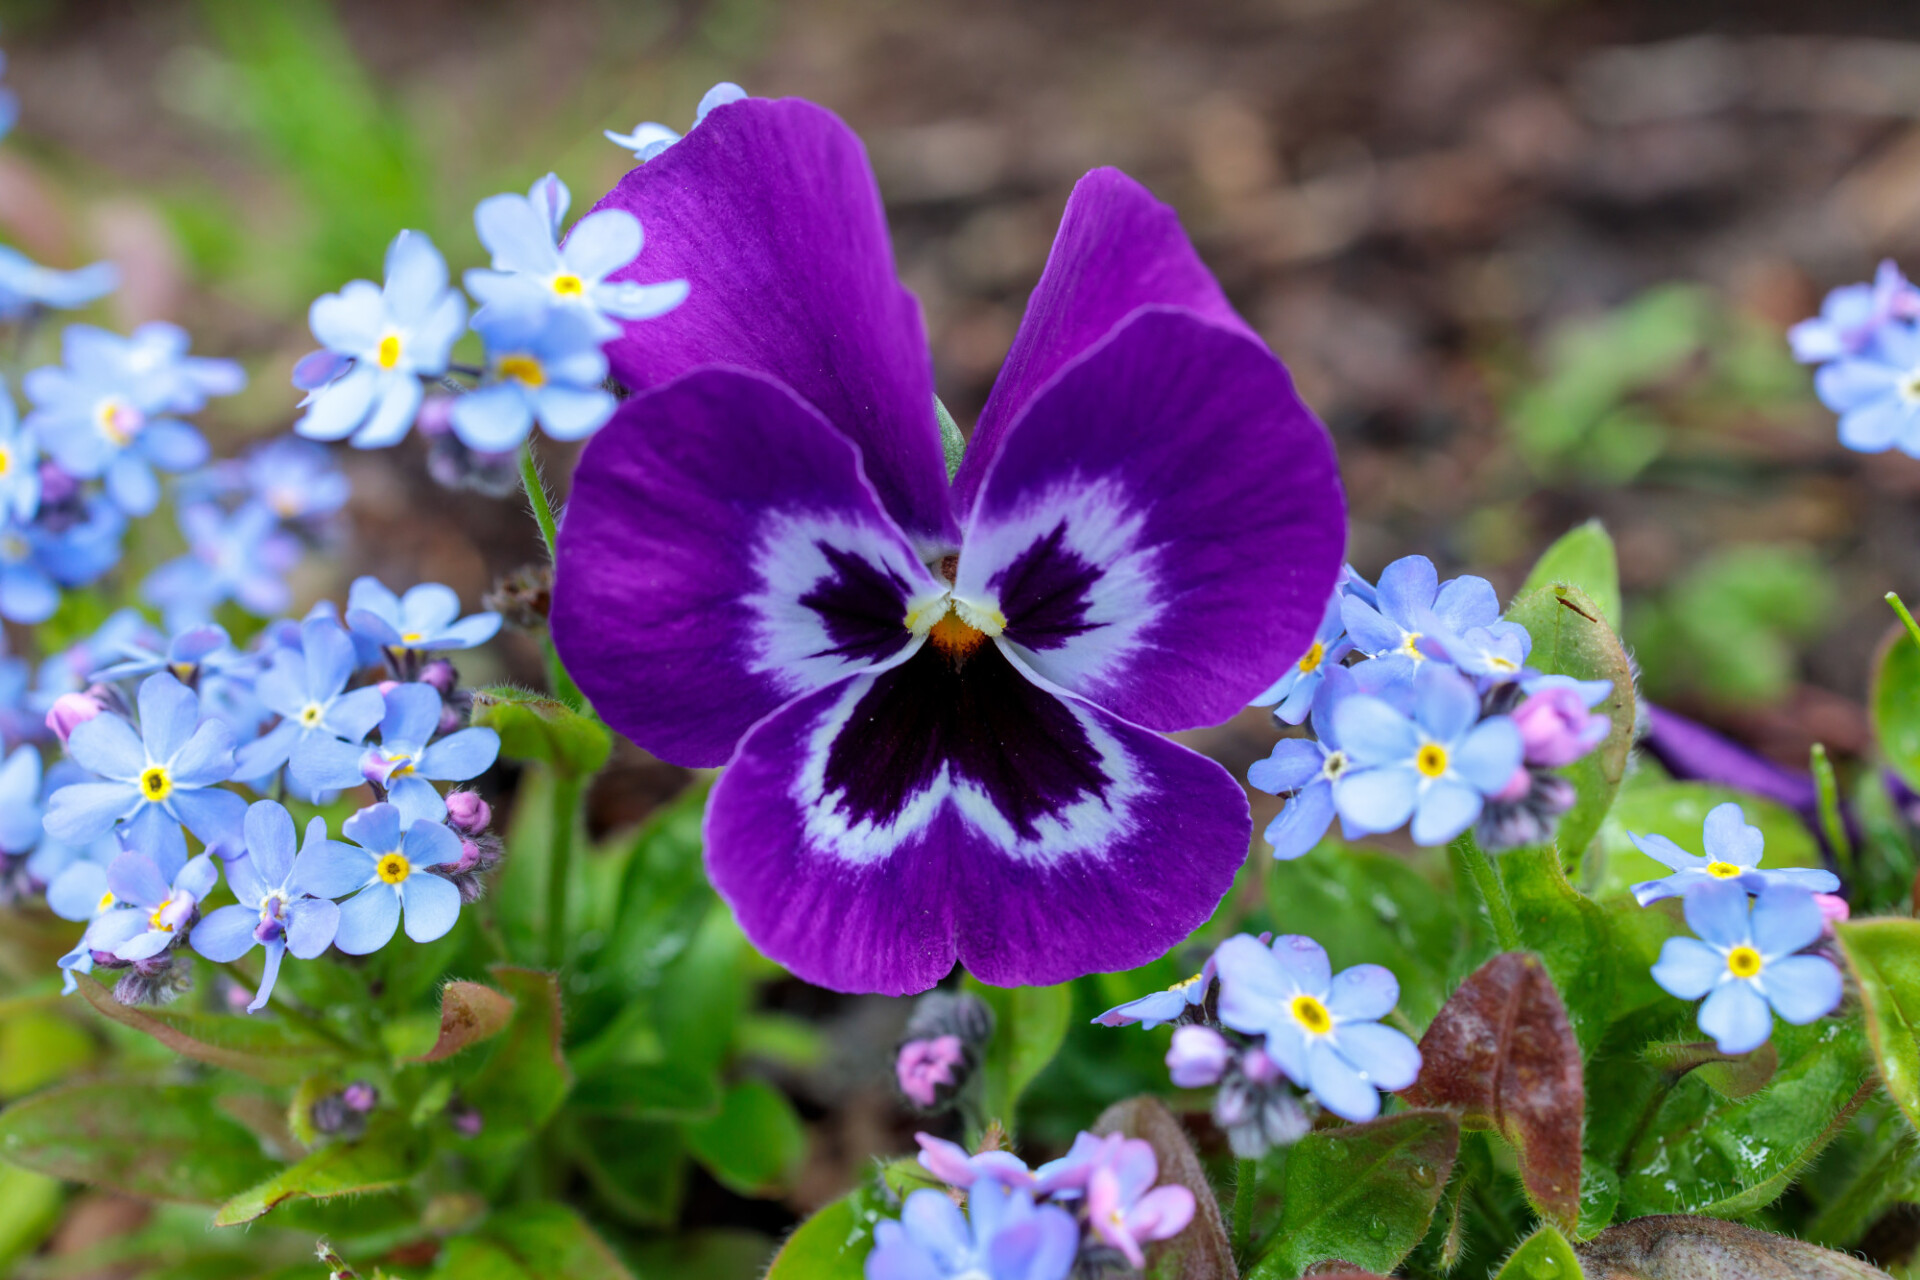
column 1197, row 1057
column 1117, row 249
column 1802, row 988
column 869, row 834
column 1158, row 565
column 1162, row 1213
column 770, row 214
column 1107, row 1215
column 1737, row 1017
column 945, row 1160
column 720, row 554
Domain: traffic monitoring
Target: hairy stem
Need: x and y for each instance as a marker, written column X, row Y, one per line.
column 1245, row 1182
column 1486, row 877
column 292, row 1012
column 537, row 496
column 566, row 799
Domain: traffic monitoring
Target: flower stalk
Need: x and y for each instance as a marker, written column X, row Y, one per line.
column 1470, row 857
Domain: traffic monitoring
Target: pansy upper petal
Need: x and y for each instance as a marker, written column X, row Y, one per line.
column 721, row 553
column 770, row 213
column 867, row 834
column 1118, row 249
column 1166, row 564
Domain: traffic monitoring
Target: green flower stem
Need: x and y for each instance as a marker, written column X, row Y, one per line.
column 292, row 1012
column 1467, row 853
column 1246, row 1181
column 566, row 800
column 1831, row 825
column 537, row 497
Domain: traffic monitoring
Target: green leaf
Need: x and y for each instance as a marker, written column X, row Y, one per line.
column 831, row 1245
column 669, row 1090
column 539, row 1241
column 1885, row 958
column 1599, row 1199
column 1571, row 637
column 1651, row 804
column 1582, row 557
column 469, row 1014
column 526, row 1077
column 39, row 1047
column 154, row 1141
column 381, row 1161
column 952, row 443
column 1367, row 907
column 29, row 1208
column 1894, row 703
column 637, row 1168
column 1705, row 1153
column 1362, row 1193
column 1544, row 1255
column 259, row 1047
column 755, row 1144
column 535, row 727
column 1502, row 1053
column 1570, row 932
column 1028, row 1025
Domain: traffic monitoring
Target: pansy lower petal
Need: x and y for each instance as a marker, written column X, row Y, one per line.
column 721, row 554
column 1737, row 1017
column 868, row 834
column 367, row 920
column 1118, row 249
column 1168, row 565
column 769, row 212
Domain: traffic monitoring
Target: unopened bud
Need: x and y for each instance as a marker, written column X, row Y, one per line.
column 442, row 675
column 1198, row 1057
column 69, row 712
column 1556, row 728
column 468, row 813
column 360, row 1096
column 924, row 1068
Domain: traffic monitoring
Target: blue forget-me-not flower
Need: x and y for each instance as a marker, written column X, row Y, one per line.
column 649, row 139
column 406, row 762
column 1307, row 769
column 426, row 619
column 388, row 870
column 244, row 557
column 1412, row 611
column 1853, row 315
column 276, row 908
column 307, row 689
column 1292, row 695
column 1733, row 849
column 1745, row 963
column 25, row 284
column 547, row 366
column 1003, row 1235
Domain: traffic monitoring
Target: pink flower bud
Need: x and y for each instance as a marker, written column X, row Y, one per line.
column 441, row 675
column 360, row 1096
column 1258, row 1067
column 1833, row 910
column 924, row 1066
column 69, row 712
column 435, row 417
column 1516, row 787
column 387, row 686
column 468, row 813
column 1198, row 1057
column 1556, row 728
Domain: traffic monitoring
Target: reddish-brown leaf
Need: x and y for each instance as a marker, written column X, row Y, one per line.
column 1503, row 1054
column 1675, row 1246
column 469, row 1013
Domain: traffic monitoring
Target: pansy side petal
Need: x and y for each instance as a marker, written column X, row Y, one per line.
column 868, row 834
column 769, row 212
column 1118, row 249
column 720, row 554
column 1168, row 565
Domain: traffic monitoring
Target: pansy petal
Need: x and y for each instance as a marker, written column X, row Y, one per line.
column 728, row 527
column 226, row 934
column 1802, row 988
column 770, row 213
column 367, row 920
column 1159, row 565
column 868, row 834
column 1737, row 1017
column 1118, row 249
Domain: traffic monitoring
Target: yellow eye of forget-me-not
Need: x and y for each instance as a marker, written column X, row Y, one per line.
column 1743, row 962
column 155, row 783
column 1431, row 760
column 394, row 868
column 1311, row 1015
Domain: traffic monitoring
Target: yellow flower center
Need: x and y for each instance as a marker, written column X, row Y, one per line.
column 118, row 420
column 284, row 501
column 1184, row 983
column 1432, row 760
column 1743, row 962
column 310, row 714
column 402, row 766
column 412, row 637
column 106, row 900
column 6, row 461
column 523, row 369
column 568, row 285
column 1311, row 1015
column 155, row 784
column 1314, row 657
column 156, row 920
column 1411, row 646
column 389, row 354
column 955, row 627
column 394, row 868
column 1723, row 870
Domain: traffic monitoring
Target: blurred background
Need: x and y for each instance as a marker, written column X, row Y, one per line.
column 1531, row 261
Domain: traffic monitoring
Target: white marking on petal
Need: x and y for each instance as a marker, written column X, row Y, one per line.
column 1104, row 527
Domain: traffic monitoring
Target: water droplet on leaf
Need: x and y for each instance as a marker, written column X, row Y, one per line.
column 1422, row 1175
column 1377, row 1228
column 1542, row 1266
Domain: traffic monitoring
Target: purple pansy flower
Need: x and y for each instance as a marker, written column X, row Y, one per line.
column 1291, row 696
column 1321, row 1029
column 1733, row 849
column 1003, row 1235
column 941, row 703
column 388, row 873
column 1436, row 765
column 1744, row 963
column 274, row 909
